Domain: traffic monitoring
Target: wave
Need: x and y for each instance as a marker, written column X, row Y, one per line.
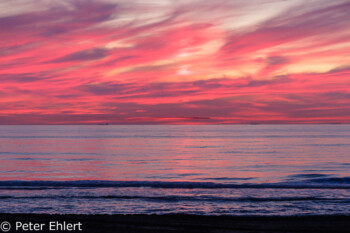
column 309, row 175
column 334, row 180
column 185, row 198
column 318, row 183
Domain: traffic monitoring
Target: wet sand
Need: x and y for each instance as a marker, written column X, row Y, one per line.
column 184, row 223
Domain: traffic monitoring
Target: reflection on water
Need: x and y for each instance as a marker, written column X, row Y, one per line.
column 309, row 166
column 260, row 153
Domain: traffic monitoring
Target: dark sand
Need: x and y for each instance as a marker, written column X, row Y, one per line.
column 187, row 223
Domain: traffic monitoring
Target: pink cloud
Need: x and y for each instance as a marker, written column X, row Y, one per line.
column 81, row 63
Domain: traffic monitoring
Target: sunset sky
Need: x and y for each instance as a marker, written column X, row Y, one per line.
column 174, row 61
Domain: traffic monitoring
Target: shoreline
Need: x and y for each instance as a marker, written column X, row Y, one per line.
column 187, row 223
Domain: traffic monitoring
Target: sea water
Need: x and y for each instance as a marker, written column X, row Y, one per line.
column 162, row 169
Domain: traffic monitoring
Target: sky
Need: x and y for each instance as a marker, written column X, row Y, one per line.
column 174, row 61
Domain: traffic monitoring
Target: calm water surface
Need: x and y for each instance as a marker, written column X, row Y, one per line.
column 216, row 169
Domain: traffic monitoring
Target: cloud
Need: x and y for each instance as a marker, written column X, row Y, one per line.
column 90, row 54
column 85, row 62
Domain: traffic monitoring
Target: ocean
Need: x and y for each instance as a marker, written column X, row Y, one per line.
column 248, row 170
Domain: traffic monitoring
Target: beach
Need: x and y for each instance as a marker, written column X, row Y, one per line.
column 187, row 223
